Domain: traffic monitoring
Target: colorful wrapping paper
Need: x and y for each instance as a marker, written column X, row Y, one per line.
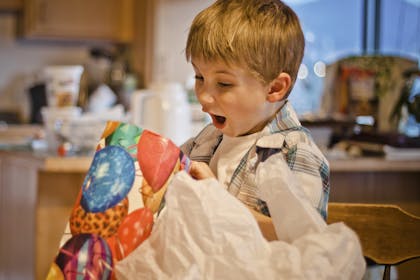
column 118, row 201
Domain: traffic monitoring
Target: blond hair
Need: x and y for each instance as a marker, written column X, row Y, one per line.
column 263, row 35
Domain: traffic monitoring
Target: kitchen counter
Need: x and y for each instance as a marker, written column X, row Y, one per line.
column 38, row 190
column 372, row 164
column 19, row 134
column 52, row 163
column 376, row 180
column 66, row 164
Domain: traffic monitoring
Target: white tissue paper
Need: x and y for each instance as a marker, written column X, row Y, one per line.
column 287, row 201
column 205, row 233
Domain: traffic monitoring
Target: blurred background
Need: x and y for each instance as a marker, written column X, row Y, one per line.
column 149, row 39
column 358, row 91
column 130, row 45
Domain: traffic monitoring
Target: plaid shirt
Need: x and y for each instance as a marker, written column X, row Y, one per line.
column 284, row 139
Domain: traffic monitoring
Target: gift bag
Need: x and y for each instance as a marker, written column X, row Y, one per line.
column 118, row 202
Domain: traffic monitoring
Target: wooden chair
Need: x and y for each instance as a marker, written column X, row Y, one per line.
column 388, row 234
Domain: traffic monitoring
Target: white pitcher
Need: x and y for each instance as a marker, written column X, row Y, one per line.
column 164, row 109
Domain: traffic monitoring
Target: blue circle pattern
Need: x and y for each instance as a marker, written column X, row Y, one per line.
column 109, row 179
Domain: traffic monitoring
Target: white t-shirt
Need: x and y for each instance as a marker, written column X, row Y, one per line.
column 228, row 155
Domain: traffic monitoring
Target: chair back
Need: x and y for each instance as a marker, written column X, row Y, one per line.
column 388, row 234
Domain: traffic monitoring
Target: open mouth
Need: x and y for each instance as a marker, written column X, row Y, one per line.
column 218, row 121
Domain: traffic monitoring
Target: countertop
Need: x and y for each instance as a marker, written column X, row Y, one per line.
column 368, row 164
column 15, row 141
column 80, row 164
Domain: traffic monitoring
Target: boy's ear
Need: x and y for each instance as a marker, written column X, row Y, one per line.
column 279, row 87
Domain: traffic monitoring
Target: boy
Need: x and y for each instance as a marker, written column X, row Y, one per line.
column 246, row 55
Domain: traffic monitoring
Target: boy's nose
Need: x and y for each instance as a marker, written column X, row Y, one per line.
column 205, row 97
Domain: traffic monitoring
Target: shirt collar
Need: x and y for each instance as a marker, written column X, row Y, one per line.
column 285, row 119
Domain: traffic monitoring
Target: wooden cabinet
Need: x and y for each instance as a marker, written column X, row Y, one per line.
column 11, row 5
column 109, row 20
column 116, row 21
column 18, row 179
column 143, row 40
column 36, row 198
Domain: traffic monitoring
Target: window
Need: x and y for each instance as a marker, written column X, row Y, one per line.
column 400, row 27
column 337, row 29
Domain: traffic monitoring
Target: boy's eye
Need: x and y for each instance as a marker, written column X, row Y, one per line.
column 199, row 78
column 221, row 84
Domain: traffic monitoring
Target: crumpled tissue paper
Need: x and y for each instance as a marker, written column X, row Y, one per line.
column 205, row 233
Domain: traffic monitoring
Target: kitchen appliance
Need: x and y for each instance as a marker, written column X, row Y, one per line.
column 164, row 109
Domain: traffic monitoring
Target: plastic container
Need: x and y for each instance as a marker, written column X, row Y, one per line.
column 63, row 85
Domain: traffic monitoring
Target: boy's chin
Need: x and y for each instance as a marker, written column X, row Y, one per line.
column 226, row 131
column 230, row 133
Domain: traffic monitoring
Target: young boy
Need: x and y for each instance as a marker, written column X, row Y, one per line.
column 246, row 55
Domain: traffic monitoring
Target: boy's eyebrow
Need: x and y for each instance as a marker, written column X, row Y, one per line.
column 224, row 72
column 221, row 71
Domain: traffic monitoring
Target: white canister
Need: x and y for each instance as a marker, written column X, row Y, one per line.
column 63, row 84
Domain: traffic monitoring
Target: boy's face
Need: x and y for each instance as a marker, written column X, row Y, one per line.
column 234, row 98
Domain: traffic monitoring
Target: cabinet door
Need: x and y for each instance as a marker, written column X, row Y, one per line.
column 109, row 20
column 18, row 186
column 10, row 5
